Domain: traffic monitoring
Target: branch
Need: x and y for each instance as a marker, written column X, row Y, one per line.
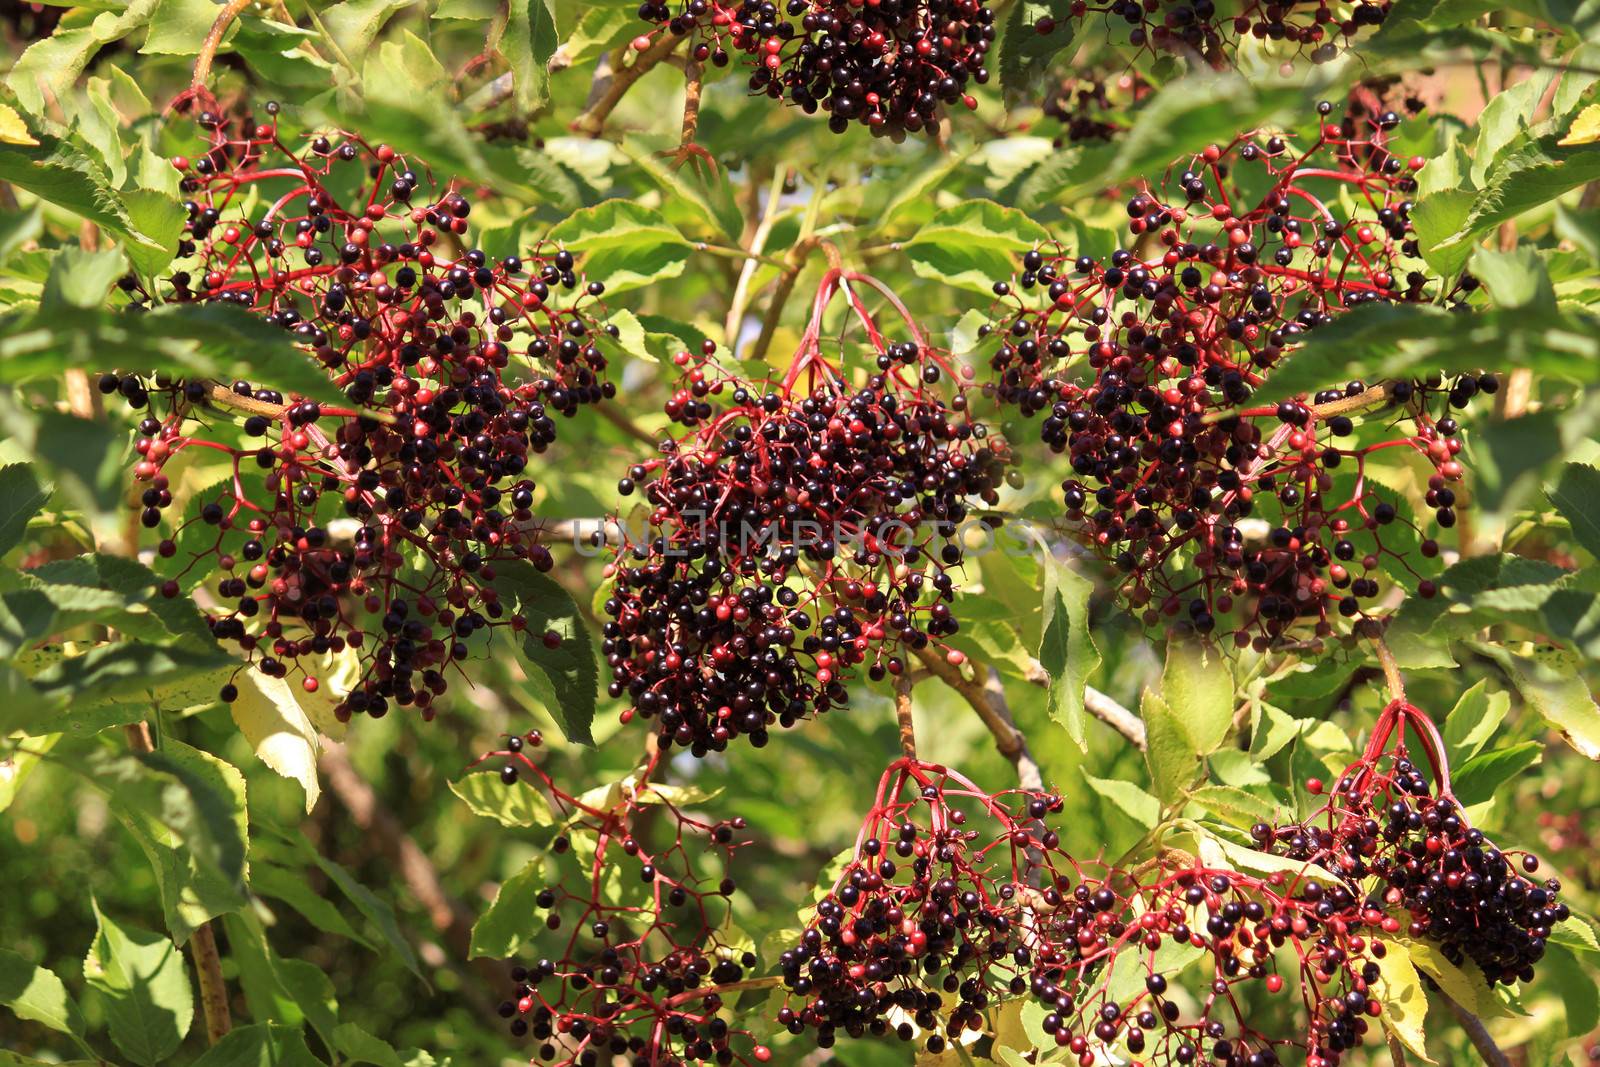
column 987, row 698
column 202, row 943
column 793, row 262
column 208, row 48
column 213, row 990
column 610, row 88
column 1101, row 706
column 902, row 715
column 1476, row 1033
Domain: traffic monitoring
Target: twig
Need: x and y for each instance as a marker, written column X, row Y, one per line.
column 213, row 990
column 1397, row 1052
column 611, row 87
column 793, row 262
column 208, row 47
column 987, row 698
column 758, row 242
column 1391, row 670
column 1476, row 1033
column 902, row 715
column 1101, row 706
column 202, row 942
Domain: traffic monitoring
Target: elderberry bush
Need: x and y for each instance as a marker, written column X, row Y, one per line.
column 375, row 526
column 1223, row 516
column 799, row 529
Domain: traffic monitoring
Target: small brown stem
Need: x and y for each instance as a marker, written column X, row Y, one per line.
column 793, row 263
column 611, row 88
column 1397, row 1052
column 902, row 715
column 213, row 990
column 202, row 942
column 987, row 698
column 208, row 48
column 692, row 89
column 1391, row 670
column 1476, row 1033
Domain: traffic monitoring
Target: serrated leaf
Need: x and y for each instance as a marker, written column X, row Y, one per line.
column 513, row 916
column 1465, row 987
column 179, row 27
column 515, row 805
column 1234, row 805
column 269, row 714
column 1132, row 801
column 1575, row 933
column 623, row 242
column 355, row 24
column 80, row 279
column 529, row 42
column 1577, row 496
column 35, row 994
column 1585, row 128
column 1399, row 990
column 1551, row 681
column 1066, row 647
column 22, row 496
column 144, row 987
column 564, row 677
column 1197, row 685
column 291, row 888
column 1481, row 777
column 260, row 1045
column 1474, row 720
column 361, row 1047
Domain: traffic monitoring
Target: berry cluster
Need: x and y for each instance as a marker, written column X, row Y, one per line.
column 934, row 918
column 1085, row 101
column 926, row 923
column 642, row 965
column 1385, row 820
column 797, row 530
column 376, row 525
column 892, row 65
column 1199, row 29
column 1145, row 362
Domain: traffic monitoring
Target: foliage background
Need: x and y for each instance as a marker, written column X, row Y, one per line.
column 356, row 924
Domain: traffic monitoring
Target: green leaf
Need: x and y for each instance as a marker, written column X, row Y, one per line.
column 79, row 279
column 1473, row 721
column 973, row 245
column 1132, row 801
column 144, row 987
column 1551, row 681
column 160, row 217
column 1566, row 973
column 1236, row 806
column 48, row 69
column 1066, row 647
column 1480, row 777
column 1405, row 1006
column 195, row 797
column 1575, row 933
column 291, row 888
column 1515, row 279
column 529, row 42
column 514, row 805
column 626, row 244
column 118, row 672
column 21, row 498
column 1197, row 684
column 195, row 340
column 564, row 677
column 261, row 1045
column 282, row 990
column 361, row 1047
column 378, row 913
column 61, row 173
column 1169, row 753
column 513, row 916
column 35, row 994
column 1577, row 496
column 1025, row 53
column 355, row 24
column 16, row 768
column 1385, row 341
column 1526, row 178
column 179, row 27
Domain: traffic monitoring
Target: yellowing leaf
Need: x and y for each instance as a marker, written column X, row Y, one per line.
column 1404, row 1004
column 1585, row 128
column 269, row 714
column 1467, row 988
column 13, row 130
